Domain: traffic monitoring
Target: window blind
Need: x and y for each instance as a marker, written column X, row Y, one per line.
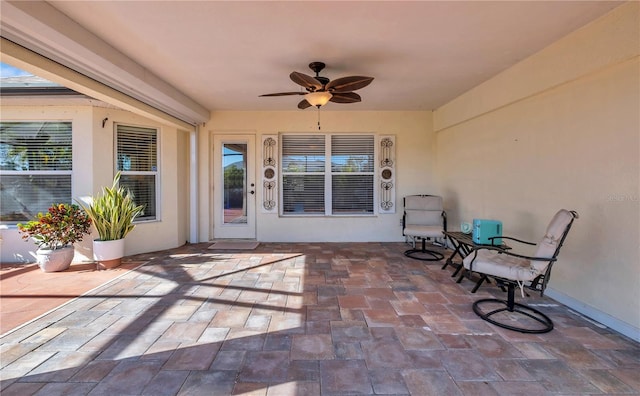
column 303, row 153
column 137, row 149
column 137, row 159
column 352, row 194
column 352, row 167
column 352, row 153
column 35, row 168
column 303, row 166
column 303, row 194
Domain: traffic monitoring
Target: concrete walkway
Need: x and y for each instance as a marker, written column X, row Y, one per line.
column 304, row 319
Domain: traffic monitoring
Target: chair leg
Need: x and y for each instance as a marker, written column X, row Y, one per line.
column 482, row 279
column 424, row 254
column 511, row 306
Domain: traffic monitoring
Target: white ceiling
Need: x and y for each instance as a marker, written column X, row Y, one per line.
column 422, row 54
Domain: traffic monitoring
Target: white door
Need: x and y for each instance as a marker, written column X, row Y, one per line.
column 234, row 192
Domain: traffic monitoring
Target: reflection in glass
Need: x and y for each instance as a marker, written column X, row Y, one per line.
column 234, row 163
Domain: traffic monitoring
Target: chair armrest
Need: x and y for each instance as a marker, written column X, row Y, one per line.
column 511, row 239
column 499, row 249
column 510, row 253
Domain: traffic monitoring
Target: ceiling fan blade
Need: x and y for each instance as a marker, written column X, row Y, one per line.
column 348, row 84
column 345, row 97
column 284, row 94
column 306, row 81
column 304, row 104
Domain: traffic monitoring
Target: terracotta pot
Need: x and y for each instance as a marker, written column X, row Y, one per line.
column 108, row 254
column 55, row 260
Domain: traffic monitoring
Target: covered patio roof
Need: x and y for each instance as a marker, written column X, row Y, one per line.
column 190, row 58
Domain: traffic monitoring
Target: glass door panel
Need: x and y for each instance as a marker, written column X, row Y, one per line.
column 234, row 183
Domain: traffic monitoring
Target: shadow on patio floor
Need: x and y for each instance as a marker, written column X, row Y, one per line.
column 26, row 292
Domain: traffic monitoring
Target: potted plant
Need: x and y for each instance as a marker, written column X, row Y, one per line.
column 112, row 213
column 55, row 232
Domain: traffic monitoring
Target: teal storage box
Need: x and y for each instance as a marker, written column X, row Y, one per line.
column 484, row 229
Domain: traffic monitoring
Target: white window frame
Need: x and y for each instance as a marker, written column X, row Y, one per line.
column 42, row 173
column 155, row 173
column 328, row 176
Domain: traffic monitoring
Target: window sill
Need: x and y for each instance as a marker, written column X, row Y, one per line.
column 147, row 221
column 334, row 216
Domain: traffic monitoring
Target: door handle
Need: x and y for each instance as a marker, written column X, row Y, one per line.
column 252, row 192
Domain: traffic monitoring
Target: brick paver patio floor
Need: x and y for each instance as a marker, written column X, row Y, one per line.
column 304, row 319
column 26, row 292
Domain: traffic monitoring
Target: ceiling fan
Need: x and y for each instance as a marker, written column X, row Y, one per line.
column 320, row 90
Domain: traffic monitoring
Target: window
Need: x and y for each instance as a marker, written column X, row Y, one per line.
column 352, row 173
column 327, row 174
column 35, row 168
column 137, row 160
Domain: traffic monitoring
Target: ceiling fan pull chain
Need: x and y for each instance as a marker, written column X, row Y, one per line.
column 318, row 117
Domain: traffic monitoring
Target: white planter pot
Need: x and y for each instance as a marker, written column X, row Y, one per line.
column 55, row 260
column 108, row 253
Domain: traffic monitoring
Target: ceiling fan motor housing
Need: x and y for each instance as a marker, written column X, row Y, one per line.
column 317, row 68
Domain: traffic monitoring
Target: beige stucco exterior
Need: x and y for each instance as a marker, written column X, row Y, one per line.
column 558, row 130
column 415, row 144
column 93, row 167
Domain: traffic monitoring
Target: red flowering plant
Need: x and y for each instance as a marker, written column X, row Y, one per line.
column 62, row 225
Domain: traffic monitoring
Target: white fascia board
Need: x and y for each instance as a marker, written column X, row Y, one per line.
column 28, row 60
column 41, row 28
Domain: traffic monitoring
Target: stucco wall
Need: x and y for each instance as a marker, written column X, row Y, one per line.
column 93, row 167
column 569, row 139
column 12, row 247
column 169, row 230
column 415, row 155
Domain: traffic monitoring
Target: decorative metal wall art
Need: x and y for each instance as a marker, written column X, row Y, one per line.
column 269, row 174
column 387, row 174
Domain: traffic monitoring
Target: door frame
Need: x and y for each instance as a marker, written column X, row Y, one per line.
column 220, row 229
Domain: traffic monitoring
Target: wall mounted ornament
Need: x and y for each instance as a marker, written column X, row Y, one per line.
column 387, row 174
column 269, row 174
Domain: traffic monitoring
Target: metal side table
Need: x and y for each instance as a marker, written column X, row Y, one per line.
column 463, row 245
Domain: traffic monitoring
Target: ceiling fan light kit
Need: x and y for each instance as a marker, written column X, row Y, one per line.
column 318, row 99
column 320, row 90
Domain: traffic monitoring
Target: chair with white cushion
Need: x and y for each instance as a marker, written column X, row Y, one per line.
column 512, row 269
column 424, row 219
